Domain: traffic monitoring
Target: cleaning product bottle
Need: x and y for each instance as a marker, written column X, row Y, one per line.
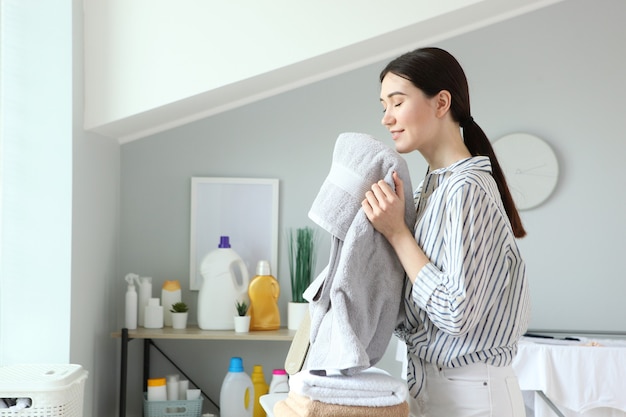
column 130, row 318
column 222, row 285
column 170, row 294
column 144, row 284
column 260, row 388
column 237, row 392
column 280, row 381
column 153, row 314
column 263, row 292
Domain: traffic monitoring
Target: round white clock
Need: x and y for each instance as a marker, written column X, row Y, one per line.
column 530, row 168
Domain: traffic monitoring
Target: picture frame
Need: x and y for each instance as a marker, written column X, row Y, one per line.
column 244, row 209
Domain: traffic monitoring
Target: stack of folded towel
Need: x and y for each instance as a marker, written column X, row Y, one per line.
column 372, row 392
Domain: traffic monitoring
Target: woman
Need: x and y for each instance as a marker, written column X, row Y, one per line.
column 467, row 299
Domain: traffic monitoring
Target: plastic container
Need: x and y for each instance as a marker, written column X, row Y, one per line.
column 237, row 392
column 130, row 312
column 225, row 280
column 54, row 390
column 180, row 408
column 280, row 381
column 260, row 388
column 263, row 292
column 170, row 294
column 157, row 389
column 144, row 284
column 153, row 316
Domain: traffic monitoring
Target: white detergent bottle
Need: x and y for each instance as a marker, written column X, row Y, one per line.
column 225, row 281
column 237, row 392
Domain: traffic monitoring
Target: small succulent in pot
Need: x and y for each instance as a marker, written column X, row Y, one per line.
column 242, row 308
column 179, row 307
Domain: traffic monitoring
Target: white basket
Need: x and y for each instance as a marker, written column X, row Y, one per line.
column 55, row 390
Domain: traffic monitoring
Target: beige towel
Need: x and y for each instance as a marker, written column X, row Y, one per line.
column 300, row 406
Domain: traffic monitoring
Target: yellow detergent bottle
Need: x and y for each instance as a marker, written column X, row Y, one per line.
column 263, row 292
column 260, row 388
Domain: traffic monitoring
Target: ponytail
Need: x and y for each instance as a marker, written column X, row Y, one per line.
column 478, row 145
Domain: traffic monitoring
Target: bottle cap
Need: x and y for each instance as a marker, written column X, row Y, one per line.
column 263, row 268
column 279, row 372
column 172, row 285
column 224, row 242
column 236, row 364
column 156, row 382
column 154, row 302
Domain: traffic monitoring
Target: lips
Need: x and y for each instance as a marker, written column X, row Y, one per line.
column 395, row 134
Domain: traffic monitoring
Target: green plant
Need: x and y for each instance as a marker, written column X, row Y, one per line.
column 302, row 245
column 242, row 308
column 179, row 307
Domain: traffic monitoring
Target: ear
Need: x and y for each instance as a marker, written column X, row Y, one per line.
column 443, row 102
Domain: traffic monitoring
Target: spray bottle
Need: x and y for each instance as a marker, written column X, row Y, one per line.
column 130, row 318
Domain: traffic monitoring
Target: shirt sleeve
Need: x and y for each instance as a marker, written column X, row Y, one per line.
column 468, row 270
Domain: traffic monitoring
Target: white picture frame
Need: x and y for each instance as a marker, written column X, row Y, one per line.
column 244, row 209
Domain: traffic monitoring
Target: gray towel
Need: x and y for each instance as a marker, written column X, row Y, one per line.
column 356, row 302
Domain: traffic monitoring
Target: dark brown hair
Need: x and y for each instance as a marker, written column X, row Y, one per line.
column 433, row 70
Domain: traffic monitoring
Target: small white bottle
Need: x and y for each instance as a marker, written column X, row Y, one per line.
column 170, row 294
column 171, row 382
column 130, row 318
column 144, row 284
column 153, row 314
column 157, row 390
column 280, row 381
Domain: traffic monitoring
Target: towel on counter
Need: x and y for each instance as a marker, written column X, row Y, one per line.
column 370, row 388
column 356, row 302
column 300, row 406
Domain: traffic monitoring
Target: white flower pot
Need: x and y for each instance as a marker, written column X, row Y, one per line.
column 242, row 324
column 179, row 320
column 295, row 314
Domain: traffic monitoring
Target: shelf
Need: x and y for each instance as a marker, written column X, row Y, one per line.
column 195, row 333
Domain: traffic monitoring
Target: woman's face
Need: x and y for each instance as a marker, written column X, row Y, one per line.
column 409, row 115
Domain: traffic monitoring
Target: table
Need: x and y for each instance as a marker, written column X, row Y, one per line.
column 579, row 378
column 190, row 333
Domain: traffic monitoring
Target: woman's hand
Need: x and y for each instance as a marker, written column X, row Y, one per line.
column 384, row 207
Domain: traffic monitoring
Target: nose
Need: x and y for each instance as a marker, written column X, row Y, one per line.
column 387, row 119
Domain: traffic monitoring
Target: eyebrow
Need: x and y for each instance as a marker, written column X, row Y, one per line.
column 395, row 93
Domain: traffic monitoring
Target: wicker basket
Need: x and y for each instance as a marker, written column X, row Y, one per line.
column 54, row 390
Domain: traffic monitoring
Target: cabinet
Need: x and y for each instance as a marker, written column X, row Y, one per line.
column 190, row 333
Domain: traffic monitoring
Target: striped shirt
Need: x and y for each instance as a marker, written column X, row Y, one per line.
column 470, row 303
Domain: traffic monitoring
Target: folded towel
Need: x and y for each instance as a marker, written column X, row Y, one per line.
column 356, row 302
column 370, row 388
column 300, row 406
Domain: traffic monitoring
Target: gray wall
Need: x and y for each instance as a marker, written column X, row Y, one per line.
column 556, row 73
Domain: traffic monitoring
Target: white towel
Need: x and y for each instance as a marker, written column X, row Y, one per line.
column 356, row 302
column 371, row 388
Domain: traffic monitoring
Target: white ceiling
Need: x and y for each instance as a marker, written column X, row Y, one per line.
column 168, row 114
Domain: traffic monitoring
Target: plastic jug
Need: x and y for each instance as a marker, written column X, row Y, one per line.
column 260, row 388
column 263, row 292
column 237, row 392
column 221, row 288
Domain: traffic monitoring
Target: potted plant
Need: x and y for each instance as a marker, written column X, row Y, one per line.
column 242, row 321
column 302, row 245
column 179, row 312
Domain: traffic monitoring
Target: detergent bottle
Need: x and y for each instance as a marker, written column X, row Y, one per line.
column 225, row 281
column 263, row 292
column 260, row 388
column 237, row 391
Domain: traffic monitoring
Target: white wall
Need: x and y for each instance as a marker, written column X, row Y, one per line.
column 556, row 73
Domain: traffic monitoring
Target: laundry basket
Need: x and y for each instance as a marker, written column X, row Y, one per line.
column 54, row 390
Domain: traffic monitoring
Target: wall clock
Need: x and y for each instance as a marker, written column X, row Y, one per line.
column 530, row 168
